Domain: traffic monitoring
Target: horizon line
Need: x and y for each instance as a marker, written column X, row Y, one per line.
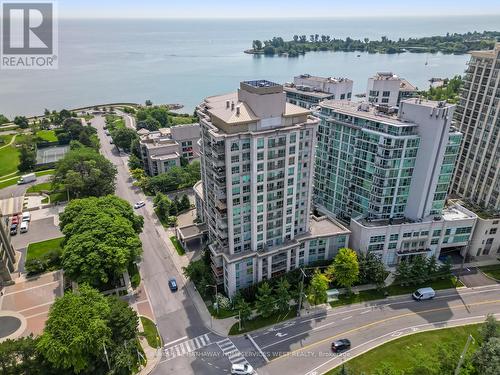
column 257, row 18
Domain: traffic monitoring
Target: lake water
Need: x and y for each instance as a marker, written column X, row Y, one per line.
column 183, row 61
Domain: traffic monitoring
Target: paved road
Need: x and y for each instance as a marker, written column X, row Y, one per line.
column 20, row 190
column 306, row 341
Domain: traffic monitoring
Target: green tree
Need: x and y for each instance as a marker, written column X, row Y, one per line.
column 257, row 45
column 123, row 137
column 244, row 309
column 88, row 208
column 85, row 172
column 21, row 357
column 445, row 269
column 149, row 123
column 163, row 206
column 418, row 270
column 487, row 358
column 403, row 272
column 265, row 302
column 76, row 331
column 283, row 295
column 346, row 268
column 490, row 329
column 316, row 292
column 134, row 162
column 21, row 121
column 100, row 250
column 185, row 203
column 3, row 119
column 27, row 158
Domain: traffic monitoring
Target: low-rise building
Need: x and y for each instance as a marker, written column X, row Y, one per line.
column 307, row 91
column 396, row 240
column 485, row 240
column 386, row 88
column 7, row 254
column 164, row 148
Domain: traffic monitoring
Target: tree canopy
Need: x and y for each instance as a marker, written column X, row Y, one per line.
column 345, row 268
column 83, row 325
column 101, row 239
column 123, row 137
column 175, row 178
column 85, row 172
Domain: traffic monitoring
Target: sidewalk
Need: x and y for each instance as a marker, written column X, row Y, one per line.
column 153, row 357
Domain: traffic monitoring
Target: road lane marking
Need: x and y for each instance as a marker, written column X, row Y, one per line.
column 173, row 342
column 347, row 317
column 413, row 329
column 381, row 306
column 374, row 323
column 231, row 352
column 185, row 347
column 258, row 348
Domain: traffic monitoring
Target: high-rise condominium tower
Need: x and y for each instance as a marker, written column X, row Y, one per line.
column 477, row 176
column 257, row 154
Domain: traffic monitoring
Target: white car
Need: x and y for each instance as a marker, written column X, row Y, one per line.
column 139, row 204
column 24, row 227
column 239, row 369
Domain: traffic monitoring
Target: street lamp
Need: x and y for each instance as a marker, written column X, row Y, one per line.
column 216, row 300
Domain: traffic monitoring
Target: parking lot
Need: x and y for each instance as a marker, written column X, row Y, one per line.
column 44, row 225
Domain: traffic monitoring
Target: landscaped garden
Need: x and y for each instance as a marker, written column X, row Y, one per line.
column 492, row 271
column 150, row 332
column 44, row 256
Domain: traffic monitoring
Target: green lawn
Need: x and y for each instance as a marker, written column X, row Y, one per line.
column 260, row 322
column 9, row 160
column 178, row 246
column 5, row 139
column 44, row 186
column 406, row 352
column 492, row 271
column 223, row 313
column 392, row 290
column 47, row 135
column 135, row 276
column 150, row 332
column 38, row 249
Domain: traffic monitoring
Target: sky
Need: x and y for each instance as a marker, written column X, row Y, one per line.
column 271, row 8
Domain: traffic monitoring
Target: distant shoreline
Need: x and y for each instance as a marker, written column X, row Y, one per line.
column 453, row 44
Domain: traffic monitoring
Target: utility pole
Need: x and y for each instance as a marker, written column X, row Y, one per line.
column 106, row 355
column 216, row 295
column 301, row 291
column 239, row 319
column 462, row 356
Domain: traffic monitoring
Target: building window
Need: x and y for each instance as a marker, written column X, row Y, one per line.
column 493, row 231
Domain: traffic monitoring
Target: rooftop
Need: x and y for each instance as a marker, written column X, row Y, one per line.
column 364, row 110
column 451, row 213
column 229, row 109
column 324, row 79
column 406, row 86
column 386, row 76
column 316, row 94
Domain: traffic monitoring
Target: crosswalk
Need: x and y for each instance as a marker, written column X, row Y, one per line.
column 231, row 352
column 186, row 347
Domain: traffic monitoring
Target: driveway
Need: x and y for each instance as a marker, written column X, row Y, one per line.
column 473, row 277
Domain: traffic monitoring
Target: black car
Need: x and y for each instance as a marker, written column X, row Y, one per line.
column 13, row 229
column 172, row 284
column 341, row 345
